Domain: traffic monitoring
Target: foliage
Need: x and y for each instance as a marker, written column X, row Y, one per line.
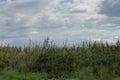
column 102, row 59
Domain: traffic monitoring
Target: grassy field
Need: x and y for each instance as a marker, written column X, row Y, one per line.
column 89, row 61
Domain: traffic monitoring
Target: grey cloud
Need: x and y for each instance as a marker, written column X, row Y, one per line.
column 12, row 32
column 39, row 18
column 78, row 11
column 10, row 36
column 110, row 8
column 109, row 24
column 32, row 4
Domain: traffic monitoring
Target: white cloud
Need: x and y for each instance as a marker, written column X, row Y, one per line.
column 36, row 19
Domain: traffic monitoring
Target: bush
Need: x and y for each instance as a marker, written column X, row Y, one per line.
column 101, row 58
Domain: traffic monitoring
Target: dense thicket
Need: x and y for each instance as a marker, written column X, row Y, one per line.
column 99, row 59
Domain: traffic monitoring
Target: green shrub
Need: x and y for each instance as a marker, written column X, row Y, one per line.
column 102, row 58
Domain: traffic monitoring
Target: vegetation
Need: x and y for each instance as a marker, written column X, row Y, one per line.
column 89, row 61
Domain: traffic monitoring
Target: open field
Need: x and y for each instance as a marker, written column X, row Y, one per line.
column 89, row 61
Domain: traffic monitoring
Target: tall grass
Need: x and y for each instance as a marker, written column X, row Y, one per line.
column 94, row 59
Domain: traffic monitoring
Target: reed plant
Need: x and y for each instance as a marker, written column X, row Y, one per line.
column 102, row 59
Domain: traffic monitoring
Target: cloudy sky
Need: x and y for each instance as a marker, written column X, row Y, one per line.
column 74, row 20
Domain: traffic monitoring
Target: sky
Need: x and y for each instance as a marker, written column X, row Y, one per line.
column 72, row 20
